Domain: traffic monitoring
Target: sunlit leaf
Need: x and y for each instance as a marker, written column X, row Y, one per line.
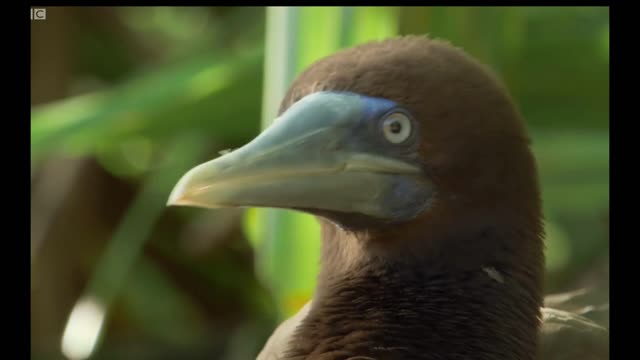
column 373, row 23
column 558, row 247
column 124, row 248
column 206, row 93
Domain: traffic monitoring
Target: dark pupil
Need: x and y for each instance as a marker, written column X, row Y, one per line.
column 395, row 127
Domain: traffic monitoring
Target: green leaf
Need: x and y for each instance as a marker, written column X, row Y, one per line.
column 574, row 170
column 557, row 247
column 373, row 23
column 126, row 244
column 574, row 173
column 173, row 320
column 319, row 34
column 287, row 259
column 207, row 93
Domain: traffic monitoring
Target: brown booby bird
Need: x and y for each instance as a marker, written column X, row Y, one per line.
column 417, row 165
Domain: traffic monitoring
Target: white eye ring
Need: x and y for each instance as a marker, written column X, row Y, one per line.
column 396, row 127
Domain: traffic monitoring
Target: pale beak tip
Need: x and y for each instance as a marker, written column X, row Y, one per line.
column 176, row 198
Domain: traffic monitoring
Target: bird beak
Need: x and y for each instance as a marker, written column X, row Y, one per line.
column 309, row 158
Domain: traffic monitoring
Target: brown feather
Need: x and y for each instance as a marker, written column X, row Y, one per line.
column 418, row 290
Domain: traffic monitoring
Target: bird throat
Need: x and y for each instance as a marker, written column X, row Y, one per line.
column 374, row 308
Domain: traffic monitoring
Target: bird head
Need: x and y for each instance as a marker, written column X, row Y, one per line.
column 385, row 137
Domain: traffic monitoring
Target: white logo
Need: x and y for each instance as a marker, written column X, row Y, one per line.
column 38, row 14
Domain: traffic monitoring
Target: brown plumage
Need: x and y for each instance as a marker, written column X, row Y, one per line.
column 459, row 279
column 423, row 282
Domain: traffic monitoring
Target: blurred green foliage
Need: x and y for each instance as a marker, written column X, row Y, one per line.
column 206, row 76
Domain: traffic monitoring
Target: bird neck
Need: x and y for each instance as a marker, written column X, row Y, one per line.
column 387, row 309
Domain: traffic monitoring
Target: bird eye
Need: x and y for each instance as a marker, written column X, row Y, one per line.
column 396, row 127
